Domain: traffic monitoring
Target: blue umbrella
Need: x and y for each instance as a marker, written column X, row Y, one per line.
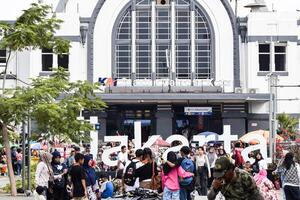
column 36, row 146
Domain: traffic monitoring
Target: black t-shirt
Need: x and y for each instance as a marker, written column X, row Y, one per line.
column 145, row 172
column 77, row 174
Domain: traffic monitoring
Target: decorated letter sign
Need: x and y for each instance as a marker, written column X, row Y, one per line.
column 227, row 138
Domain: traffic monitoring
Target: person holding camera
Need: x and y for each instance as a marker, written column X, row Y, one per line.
column 232, row 182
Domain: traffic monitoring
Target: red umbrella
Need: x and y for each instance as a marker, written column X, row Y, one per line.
column 161, row 143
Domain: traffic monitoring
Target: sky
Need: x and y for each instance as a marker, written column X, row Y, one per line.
column 278, row 5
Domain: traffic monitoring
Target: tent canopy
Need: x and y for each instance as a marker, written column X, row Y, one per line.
column 263, row 133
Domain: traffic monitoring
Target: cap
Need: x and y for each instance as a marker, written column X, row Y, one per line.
column 56, row 154
column 222, row 164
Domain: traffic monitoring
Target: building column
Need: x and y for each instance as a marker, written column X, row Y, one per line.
column 133, row 42
column 164, row 121
column 173, row 38
column 193, row 46
column 153, row 42
column 102, row 121
column 237, row 122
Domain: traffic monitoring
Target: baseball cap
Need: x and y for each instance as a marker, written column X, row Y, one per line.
column 222, row 164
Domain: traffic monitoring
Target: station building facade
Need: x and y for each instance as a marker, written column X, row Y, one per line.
column 178, row 66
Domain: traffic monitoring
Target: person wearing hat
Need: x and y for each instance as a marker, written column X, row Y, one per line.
column 58, row 183
column 232, row 182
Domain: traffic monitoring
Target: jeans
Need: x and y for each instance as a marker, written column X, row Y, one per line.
column 171, row 195
column 291, row 192
column 185, row 194
column 19, row 167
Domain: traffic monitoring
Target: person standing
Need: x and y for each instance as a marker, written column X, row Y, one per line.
column 130, row 181
column 148, row 170
column 188, row 165
column 122, row 160
column 232, row 182
column 19, row 157
column 171, row 174
column 78, row 178
column 203, row 171
column 59, row 180
column 212, row 157
column 43, row 172
column 91, row 182
column 290, row 171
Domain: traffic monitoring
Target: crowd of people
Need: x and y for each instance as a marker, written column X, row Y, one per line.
column 208, row 171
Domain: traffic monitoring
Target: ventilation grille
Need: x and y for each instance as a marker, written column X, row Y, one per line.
column 237, row 107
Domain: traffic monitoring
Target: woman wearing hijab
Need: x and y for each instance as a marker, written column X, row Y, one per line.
column 266, row 187
column 44, row 172
column 91, row 181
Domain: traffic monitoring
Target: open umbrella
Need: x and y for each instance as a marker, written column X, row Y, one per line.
column 161, row 143
column 263, row 133
column 36, row 146
column 210, row 134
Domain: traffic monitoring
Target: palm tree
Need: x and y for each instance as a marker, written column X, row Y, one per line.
column 287, row 125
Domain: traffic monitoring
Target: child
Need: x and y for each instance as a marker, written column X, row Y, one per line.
column 247, row 167
column 38, row 193
column 265, row 186
column 107, row 187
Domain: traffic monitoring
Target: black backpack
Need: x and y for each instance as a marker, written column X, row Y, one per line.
column 129, row 178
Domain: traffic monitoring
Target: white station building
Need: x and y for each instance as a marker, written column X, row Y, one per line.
column 178, row 66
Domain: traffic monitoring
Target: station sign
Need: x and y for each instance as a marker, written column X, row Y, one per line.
column 202, row 111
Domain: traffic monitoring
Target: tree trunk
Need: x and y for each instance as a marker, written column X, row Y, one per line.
column 11, row 174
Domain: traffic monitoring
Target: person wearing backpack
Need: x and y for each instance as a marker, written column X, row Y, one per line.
column 187, row 184
column 130, row 181
column 58, row 185
column 171, row 174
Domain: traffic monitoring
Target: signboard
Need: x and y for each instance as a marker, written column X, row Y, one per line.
column 198, row 111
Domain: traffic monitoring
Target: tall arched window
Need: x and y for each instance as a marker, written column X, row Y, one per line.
column 181, row 25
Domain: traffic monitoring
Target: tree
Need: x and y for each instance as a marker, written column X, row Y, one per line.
column 287, row 126
column 35, row 28
column 54, row 104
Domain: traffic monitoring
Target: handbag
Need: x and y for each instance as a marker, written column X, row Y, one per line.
column 155, row 179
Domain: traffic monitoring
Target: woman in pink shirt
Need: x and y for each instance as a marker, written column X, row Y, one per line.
column 170, row 174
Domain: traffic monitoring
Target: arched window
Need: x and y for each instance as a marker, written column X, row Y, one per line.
column 187, row 39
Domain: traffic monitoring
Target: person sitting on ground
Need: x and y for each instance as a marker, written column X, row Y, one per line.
column 232, row 182
column 107, row 187
column 38, row 193
column 247, row 167
column 266, row 187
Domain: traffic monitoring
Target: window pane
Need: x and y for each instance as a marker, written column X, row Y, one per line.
column 264, row 62
column 123, row 61
column 3, row 56
column 47, row 61
column 279, row 62
column 279, row 49
column 264, row 48
column 143, row 61
column 183, row 61
column 63, row 61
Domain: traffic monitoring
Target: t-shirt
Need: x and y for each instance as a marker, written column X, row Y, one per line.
column 77, row 174
column 123, row 158
column 145, row 172
column 107, row 189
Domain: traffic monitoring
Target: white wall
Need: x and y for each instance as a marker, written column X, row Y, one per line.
column 259, row 24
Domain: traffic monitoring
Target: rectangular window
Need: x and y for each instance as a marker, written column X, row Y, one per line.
column 280, row 57
column 264, row 57
column 2, row 56
column 47, row 59
column 63, row 61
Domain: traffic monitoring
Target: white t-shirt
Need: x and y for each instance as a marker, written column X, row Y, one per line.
column 262, row 164
column 123, row 157
column 137, row 182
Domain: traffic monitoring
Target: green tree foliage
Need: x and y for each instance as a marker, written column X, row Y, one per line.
column 287, row 126
column 35, row 28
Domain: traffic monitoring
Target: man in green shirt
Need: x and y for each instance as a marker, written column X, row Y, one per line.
column 233, row 183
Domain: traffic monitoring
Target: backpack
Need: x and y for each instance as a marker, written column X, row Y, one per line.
column 188, row 166
column 129, row 178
